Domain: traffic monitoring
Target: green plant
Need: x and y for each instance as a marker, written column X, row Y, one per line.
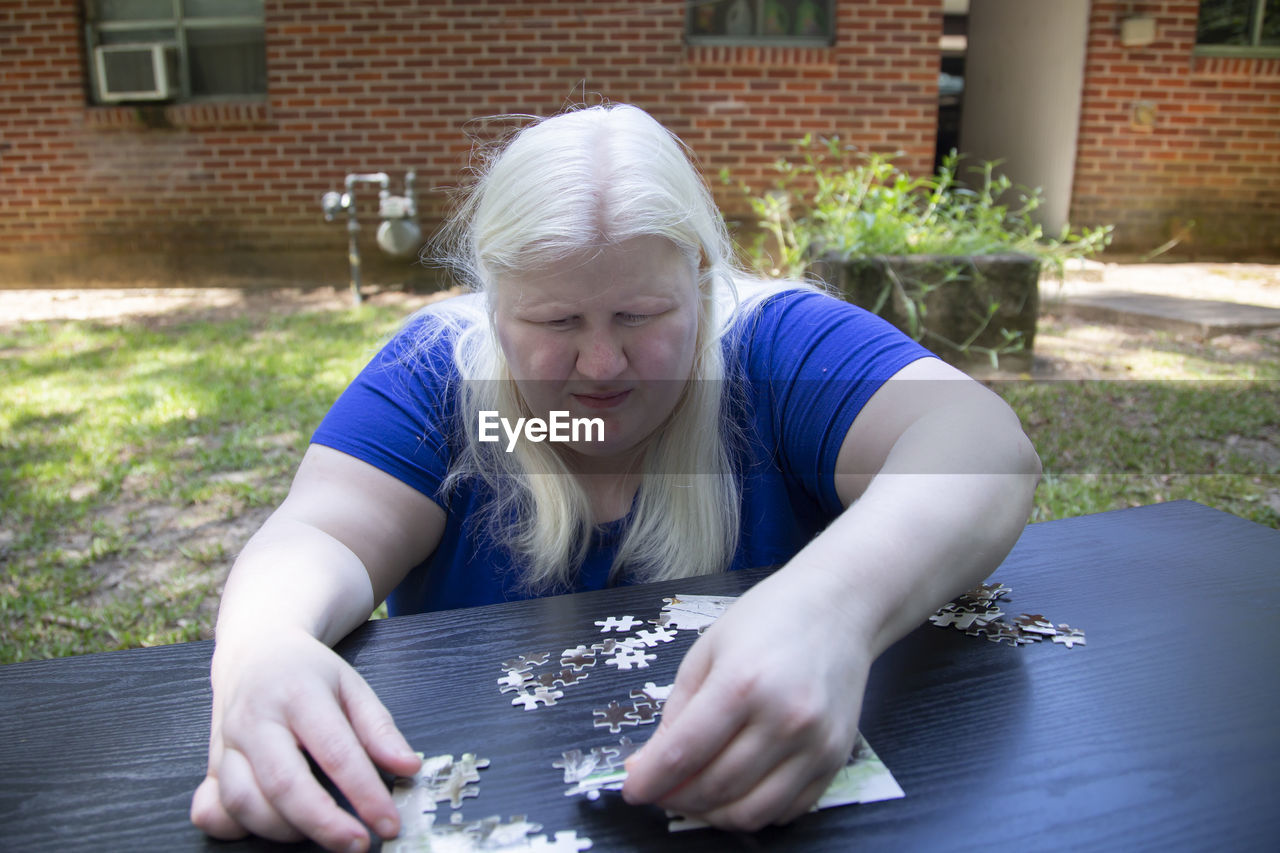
column 840, row 205
column 839, row 200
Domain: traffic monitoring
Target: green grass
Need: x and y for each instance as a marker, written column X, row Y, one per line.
column 130, row 453
column 103, row 427
column 1113, row 444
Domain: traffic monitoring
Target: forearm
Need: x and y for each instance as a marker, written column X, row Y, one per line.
column 946, row 507
column 292, row 575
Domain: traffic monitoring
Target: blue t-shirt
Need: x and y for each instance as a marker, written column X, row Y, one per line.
column 807, row 362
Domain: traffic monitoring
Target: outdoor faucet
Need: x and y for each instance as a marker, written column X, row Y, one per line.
column 398, row 235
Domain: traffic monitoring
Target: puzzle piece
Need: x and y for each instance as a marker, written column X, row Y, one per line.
column 411, row 800
column 566, row 841
column 621, row 624
column 512, row 681
column 1034, row 623
column 456, row 785
column 625, row 748
column 575, row 765
column 516, row 665
column 945, row 616
column 458, row 836
column 514, row 833
column 656, row 693
column 644, row 713
column 550, row 679
column 695, row 612
column 658, row 635
column 989, row 592
column 569, row 676
column 440, row 778
column 468, row 767
column 541, row 695
column 579, row 657
column 613, row 716
column 625, row 659
column 1068, row 636
column 966, row 619
column 629, row 643
column 456, row 791
column 1000, row 632
column 604, row 756
column 606, row 646
column 639, row 699
column 537, row 659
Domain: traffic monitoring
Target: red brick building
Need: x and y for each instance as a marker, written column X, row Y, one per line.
column 196, row 184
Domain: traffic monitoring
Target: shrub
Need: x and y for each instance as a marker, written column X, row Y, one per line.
column 841, row 205
column 839, row 200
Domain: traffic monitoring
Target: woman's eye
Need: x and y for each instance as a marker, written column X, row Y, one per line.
column 633, row 318
column 559, row 323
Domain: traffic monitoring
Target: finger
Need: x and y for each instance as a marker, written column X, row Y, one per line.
column 739, row 768
column 208, row 814
column 689, row 678
column 680, row 748
column 376, row 728
column 286, row 782
column 806, row 799
column 246, row 803
column 767, row 802
column 326, row 734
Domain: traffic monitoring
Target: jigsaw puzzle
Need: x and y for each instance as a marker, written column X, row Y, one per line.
column 443, row 779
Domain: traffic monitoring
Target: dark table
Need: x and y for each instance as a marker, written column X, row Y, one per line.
column 1161, row 732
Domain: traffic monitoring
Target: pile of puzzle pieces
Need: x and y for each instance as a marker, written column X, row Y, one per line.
column 537, row 682
column 978, row 615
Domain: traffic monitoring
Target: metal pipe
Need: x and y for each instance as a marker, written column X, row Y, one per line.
column 397, row 214
column 383, row 180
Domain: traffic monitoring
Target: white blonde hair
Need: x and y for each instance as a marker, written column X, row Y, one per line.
column 582, row 180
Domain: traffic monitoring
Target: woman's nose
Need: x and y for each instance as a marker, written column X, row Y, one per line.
column 601, row 356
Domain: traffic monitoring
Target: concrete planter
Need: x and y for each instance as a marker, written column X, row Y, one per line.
column 962, row 308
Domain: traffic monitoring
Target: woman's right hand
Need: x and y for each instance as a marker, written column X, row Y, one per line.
column 275, row 697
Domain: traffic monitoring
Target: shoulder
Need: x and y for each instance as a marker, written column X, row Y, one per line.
column 426, row 342
column 780, row 327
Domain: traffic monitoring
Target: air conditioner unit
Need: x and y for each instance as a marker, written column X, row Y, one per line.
column 137, row 72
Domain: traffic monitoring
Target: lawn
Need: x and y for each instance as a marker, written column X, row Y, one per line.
column 137, row 456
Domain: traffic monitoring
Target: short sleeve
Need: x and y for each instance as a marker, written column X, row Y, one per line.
column 397, row 413
column 814, row 361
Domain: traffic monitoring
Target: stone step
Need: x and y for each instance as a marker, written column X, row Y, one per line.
column 1201, row 317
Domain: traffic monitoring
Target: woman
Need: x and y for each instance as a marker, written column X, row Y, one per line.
column 731, row 422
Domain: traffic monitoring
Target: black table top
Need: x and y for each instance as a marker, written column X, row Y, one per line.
column 1160, row 732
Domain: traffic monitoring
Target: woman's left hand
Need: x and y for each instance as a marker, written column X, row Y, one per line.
column 764, row 710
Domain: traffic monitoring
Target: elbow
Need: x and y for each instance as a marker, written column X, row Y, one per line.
column 1025, row 466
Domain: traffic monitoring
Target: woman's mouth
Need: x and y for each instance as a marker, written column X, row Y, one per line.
column 608, row 400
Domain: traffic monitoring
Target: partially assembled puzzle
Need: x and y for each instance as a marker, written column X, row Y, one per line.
column 621, row 645
column 442, row 779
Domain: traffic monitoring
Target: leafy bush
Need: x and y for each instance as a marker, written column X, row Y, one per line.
column 838, row 200
column 837, row 208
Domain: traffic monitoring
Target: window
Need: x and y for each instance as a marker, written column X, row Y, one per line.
column 803, row 23
column 1238, row 27
column 216, row 49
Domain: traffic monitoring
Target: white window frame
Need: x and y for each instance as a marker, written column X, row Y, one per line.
column 180, row 24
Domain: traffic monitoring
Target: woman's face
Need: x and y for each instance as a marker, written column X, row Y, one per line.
column 606, row 334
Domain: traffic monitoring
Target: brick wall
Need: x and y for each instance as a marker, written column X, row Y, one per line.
column 191, row 190
column 1210, row 156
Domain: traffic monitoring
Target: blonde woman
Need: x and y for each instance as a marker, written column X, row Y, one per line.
column 727, row 422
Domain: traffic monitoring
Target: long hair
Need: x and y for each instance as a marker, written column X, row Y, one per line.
column 584, row 179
